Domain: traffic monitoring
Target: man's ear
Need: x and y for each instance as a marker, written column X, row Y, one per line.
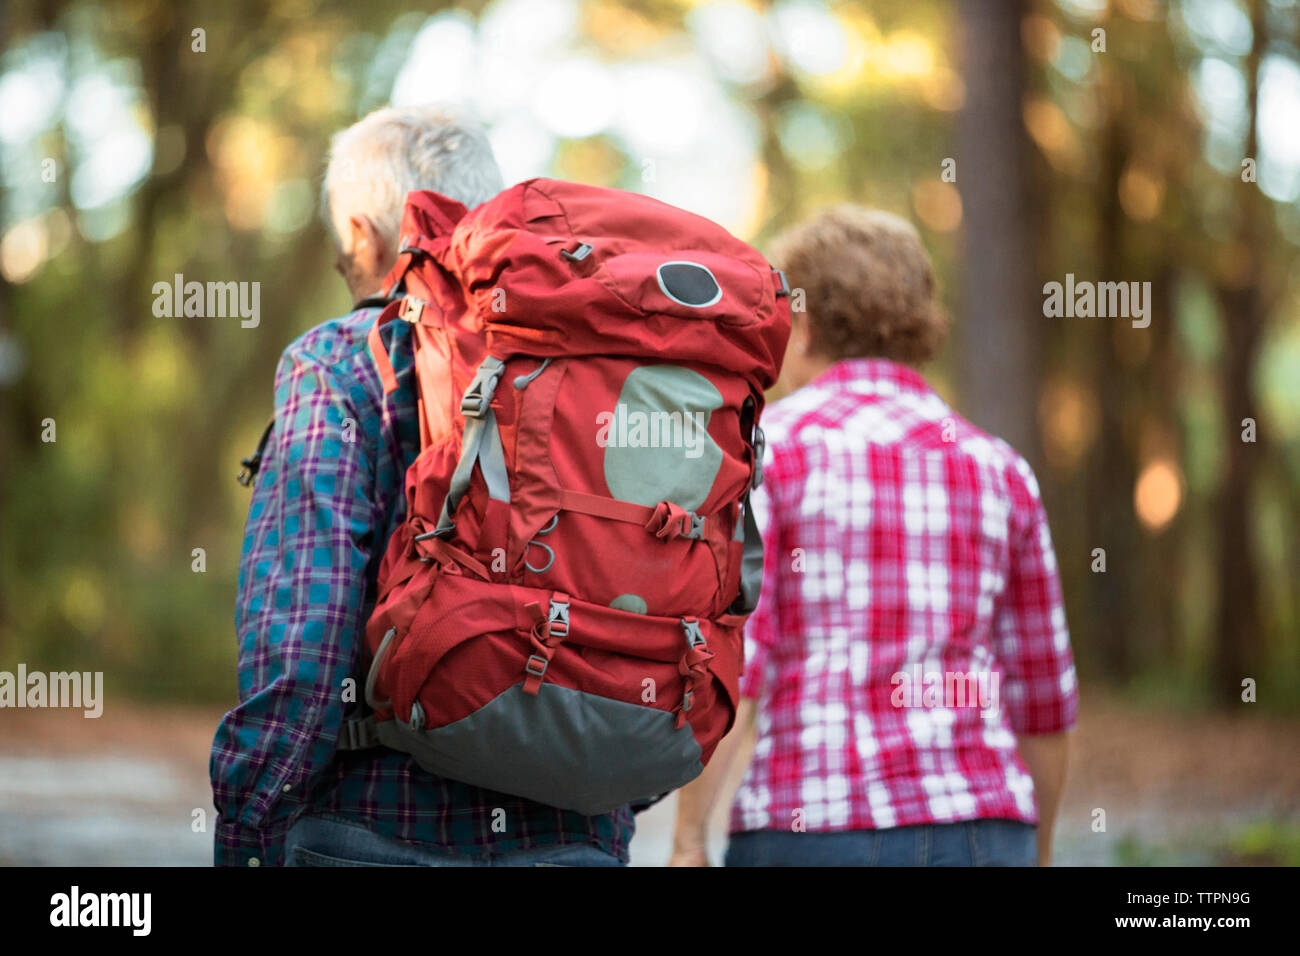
column 368, row 252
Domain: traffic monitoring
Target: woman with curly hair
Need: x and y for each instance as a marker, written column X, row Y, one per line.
column 909, row 680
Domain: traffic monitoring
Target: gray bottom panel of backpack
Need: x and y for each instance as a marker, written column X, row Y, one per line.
column 562, row 748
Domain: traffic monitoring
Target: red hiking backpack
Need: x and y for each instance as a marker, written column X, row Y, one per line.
column 560, row 615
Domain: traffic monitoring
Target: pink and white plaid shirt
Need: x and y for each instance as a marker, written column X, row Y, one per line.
column 910, row 622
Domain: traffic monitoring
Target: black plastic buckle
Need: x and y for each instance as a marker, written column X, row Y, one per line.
column 353, row 736
column 578, row 254
column 253, row 463
column 248, row 470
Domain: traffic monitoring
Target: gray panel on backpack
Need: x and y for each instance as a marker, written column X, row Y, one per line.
column 658, row 447
column 632, row 603
column 563, row 748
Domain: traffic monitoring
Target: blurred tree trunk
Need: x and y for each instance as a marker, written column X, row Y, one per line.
column 1111, row 469
column 998, row 351
column 782, row 198
column 1245, row 303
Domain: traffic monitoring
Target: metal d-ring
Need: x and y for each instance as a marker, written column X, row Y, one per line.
column 545, row 548
column 542, row 532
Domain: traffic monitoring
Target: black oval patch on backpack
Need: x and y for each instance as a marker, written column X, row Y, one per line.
column 689, row 283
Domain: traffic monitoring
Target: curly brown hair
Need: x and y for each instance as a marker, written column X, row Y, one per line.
column 867, row 285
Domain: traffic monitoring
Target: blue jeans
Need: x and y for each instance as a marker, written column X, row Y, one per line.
column 975, row 843
column 333, row 841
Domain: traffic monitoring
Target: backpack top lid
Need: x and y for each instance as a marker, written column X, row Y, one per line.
column 551, row 268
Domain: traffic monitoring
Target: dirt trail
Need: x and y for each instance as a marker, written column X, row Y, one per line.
column 124, row 789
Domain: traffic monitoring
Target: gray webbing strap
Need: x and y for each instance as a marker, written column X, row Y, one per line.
column 751, row 565
column 751, row 560
column 492, row 459
column 480, row 444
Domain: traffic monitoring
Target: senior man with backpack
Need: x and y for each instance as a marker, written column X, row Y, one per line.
column 499, row 552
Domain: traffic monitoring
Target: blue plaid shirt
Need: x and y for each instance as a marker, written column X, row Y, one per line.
column 328, row 496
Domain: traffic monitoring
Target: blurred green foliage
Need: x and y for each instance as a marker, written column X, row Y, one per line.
column 1265, row 843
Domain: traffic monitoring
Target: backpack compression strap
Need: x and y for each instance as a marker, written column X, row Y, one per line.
column 481, row 445
column 751, row 561
column 751, row 565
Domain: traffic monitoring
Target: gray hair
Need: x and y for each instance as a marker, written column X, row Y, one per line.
column 375, row 162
